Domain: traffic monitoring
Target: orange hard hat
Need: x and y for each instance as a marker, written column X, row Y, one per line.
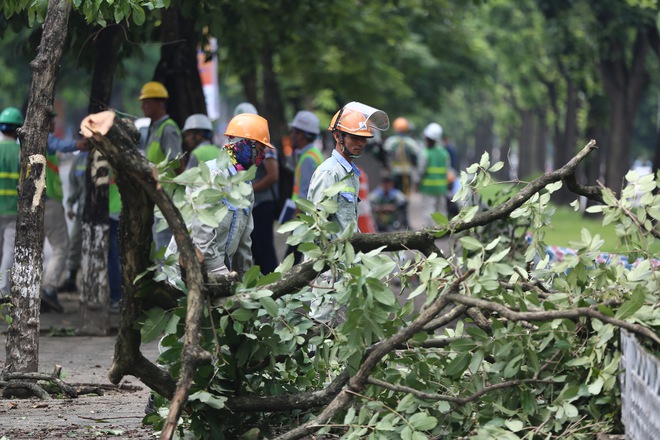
column 401, row 125
column 353, row 123
column 359, row 120
column 249, row 126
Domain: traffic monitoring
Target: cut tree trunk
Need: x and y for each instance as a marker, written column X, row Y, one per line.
column 22, row 350
column 94, row 308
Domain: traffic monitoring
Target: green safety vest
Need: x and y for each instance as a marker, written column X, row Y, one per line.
column 114, row 198
column 10, row 168
column 155, row 153
column 53, row 180
column 206, row 152
column 316, row 156
column 434, row 180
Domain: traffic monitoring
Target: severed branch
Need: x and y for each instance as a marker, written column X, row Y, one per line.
column 549, row 315
column 359, row 380
column 398, row 241
column 454, row 399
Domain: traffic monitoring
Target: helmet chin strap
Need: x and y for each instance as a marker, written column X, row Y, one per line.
column 345, row 150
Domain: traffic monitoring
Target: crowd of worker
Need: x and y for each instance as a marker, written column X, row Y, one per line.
column 245, row 237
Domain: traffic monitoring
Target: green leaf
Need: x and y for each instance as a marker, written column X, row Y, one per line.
column 629, row 307
column 154, row 325
column 241, row 315
column 463, row 345
column 458, row 365
column 138, row 15
column 470, row 243
column 305, row 205
column 423, row 421
column 477, row 333
column 270, row 305
column 514, row 425
column 212, row 400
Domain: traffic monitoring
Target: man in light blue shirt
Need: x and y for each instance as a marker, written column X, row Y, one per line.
column 351, row 126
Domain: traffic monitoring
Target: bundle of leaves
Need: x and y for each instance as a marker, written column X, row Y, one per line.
column 506, row 345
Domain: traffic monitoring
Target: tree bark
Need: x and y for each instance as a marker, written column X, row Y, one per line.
column 624, row 85
column 94, row 310
column 22, row 351
column 177, row 68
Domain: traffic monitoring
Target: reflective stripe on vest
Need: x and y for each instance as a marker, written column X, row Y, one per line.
column 314, row 154
column 435, row 174
column 10, row 162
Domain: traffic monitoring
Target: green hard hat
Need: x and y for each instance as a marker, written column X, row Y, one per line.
column 11, row 115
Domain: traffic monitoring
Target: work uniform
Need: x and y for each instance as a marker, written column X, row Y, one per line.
column 55, row 227
column 309, row 159
column 433, row 167
column 336, row 168
column 76, row 196
column 402, row 152
column 263, row 214
column 163, row 142
column 227, row 247
column 10, row 168
column 202, row 153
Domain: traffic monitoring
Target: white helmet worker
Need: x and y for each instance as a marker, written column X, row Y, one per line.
column 245, row 107
column 306, row 121
column 198, row 121
column 433, row 131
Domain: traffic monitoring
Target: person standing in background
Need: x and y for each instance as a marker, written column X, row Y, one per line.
column 76, row 197
column 163, row 141
column 55, row 227
column 433, row 166
column 197, row 134
column 402, row 151
column 303, row 131
column 11, row 119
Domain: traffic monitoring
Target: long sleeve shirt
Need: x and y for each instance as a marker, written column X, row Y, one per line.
column 334, row 169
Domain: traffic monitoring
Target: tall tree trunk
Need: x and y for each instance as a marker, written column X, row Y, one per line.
column 251, row 89
column 624, row 86
column 483, row 139
column 540, row 140
column 94, row 310
column 177, row 68
column 273, row 107
column 22, row 351
column 526, row 150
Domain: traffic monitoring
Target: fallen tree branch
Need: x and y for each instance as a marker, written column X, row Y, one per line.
column 454, row 399
column 32, row 387
column 372, row 358
column 549, row 315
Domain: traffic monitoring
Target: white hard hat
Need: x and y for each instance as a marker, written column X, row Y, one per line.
column 433, row 131
column 245, row 107
column 306, row 121
column 198, row 121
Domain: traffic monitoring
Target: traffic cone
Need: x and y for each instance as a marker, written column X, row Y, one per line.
column 365, row 219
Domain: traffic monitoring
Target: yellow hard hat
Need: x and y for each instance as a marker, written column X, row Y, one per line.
column 153, row 89
column 249, row 126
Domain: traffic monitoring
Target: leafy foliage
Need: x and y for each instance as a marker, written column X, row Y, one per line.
column 497, row 377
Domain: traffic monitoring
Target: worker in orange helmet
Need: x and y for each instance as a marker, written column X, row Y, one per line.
column 403, row 152
column 227, row 247
column 351, row 126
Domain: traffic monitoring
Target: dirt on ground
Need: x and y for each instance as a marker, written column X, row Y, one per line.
column 116, row 414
